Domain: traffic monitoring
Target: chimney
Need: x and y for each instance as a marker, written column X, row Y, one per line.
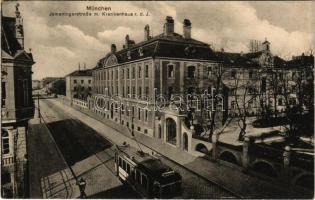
column 127, row 41
column 113, row 48
column 19, row 26
column 187, row 29
column 146, row 32
column 84, row 67
column 169, row 26
column 79, row 66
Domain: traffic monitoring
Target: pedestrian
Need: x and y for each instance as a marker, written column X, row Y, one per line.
column 82, row 183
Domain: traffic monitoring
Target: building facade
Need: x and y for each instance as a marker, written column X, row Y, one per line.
column 79, row 84
column 17, row 106
column 150, row 86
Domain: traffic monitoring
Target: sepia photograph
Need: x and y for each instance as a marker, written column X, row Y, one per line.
column 157, row 99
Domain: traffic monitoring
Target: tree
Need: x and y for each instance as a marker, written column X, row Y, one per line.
column 245, row 93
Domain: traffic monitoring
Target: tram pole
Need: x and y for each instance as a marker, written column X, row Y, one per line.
column 133, row 134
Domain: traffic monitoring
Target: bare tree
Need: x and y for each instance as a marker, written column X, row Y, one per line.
column 245, row 94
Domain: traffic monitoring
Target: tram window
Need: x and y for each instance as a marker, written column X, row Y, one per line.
column 138, row 177
column 124, row 165
column 128, row 168
column 120, row 162
column 144, row 181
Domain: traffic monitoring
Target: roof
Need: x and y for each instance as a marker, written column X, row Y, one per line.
column 235, row 59
column 301, row 61
column 171, row 46
column 86, row 72
column 9, row 43
column 10, row 46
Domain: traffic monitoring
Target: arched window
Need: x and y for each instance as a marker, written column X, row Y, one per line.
column 170, row 131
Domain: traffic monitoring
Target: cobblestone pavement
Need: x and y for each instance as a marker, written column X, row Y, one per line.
column 193, row 186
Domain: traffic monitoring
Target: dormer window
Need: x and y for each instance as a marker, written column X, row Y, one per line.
column 140, row 51
column 129, row 54
column 170, row 71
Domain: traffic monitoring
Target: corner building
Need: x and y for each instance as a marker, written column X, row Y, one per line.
column 165, row 65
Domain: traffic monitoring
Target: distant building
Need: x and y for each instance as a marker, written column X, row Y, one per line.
column 17, row 106
column 79, row 84
column 35, row 84
column 57, row 86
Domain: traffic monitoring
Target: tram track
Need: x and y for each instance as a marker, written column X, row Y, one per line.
column 161, row 156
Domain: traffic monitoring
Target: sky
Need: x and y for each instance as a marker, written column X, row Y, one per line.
column 59, row 44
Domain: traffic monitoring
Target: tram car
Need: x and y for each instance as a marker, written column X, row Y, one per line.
column 146, row 174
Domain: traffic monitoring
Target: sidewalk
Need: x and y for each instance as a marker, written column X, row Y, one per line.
column 242, row 184
column 49, row 175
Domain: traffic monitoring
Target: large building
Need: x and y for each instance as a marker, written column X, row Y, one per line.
column 159, row 68
column 17, row 106
column 79, row 84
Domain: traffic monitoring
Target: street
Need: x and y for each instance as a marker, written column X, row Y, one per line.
column 79, row 143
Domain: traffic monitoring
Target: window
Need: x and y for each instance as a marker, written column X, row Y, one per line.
column 170, row 71
column 138, row 177
column 140, row 91
column 144, row 181
column 146, row 71
column 74, row 81
column 112, row 75
column 90, row 81
column 119, row 162
column 122, row 109
column 128, row 90
column 146, row 115
column 139, row 114
column 139, row 128
column 5, row 142
column 90, row 88
column 133, row 72
column 250, row 74
column 170, row 92
column 124, row 165
column 82, row 81
column 139, row 72
column 122, row 73
column 133, row 90
column 128, row 73
column 145, row 131
column 233, row 74
column 233, row 104
column 3, row 94
column 191, row 72
column 123, row 91
column 128, row 168
column 280, row 103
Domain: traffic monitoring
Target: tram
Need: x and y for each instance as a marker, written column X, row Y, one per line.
column 146, row 174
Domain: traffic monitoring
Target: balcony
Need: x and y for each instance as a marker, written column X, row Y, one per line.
column 7, row 160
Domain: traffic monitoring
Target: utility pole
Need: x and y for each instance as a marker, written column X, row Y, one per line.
column 38, row 109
